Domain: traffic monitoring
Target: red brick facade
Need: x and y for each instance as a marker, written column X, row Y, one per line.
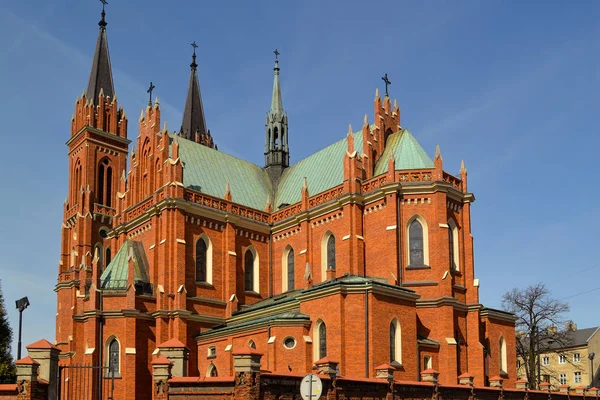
column 436, row 305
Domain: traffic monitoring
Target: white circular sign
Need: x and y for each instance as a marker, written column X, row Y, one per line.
column 311, row 387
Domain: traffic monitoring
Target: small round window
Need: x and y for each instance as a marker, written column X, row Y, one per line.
column 289, row 342
column 103, row 233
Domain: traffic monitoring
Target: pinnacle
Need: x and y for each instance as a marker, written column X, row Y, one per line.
column 350, row 129
column 377, row 96
column 227, row 189
column 438, row 153
column 462, row 167
column 142, row 116
column 395, row 103
column 305, row 184
column 165, row 127
column 123, row 176
column 366, row 120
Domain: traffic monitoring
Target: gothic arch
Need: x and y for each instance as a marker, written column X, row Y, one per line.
column 418, row 248
column 251, row 270
column 328, row 254
column 453, row 244
column 319, row 340
column 288, row 271
column 395, row 342
column 203, row 259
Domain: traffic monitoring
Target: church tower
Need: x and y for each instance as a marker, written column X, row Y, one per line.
column 193, row 126
column 277, row 155
column 97, row 160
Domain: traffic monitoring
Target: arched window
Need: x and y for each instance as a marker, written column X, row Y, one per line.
column 418, row 245
column 251, row 270
column 319, row 340
column 395, row 342
column 502, row 353
column 212, row 371
column 276, row 139
column 113, row 357
column 104, row 183
column 453, row 245
column 290, row 270
column 99, row 252
column 328, row 262
column 322, row 340
column 108, row 257
column 108, row 200
column 203, row 259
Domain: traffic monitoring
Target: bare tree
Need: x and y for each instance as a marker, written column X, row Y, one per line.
column 539, row 317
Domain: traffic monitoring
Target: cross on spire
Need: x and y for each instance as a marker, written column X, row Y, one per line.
column 277, row 53
column 193, row 64
column 150, row 89
column 387, row 83
column 102, row 22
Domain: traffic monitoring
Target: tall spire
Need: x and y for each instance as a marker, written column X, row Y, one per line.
column 276, row 103
column 277, row 155
column 193, row 126
column 101, row 76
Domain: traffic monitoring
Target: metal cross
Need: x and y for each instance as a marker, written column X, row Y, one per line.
column 387, row 83
column 104, row 2
column 150, row 89
column 277, row 53
column 195, row 46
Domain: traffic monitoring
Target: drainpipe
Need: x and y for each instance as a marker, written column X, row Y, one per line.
column 399, row 228
column 366, row 333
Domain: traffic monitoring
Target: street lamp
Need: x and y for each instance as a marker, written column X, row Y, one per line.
column 21, row 306
column 591, row 357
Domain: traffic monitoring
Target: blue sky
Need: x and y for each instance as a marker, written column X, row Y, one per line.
column 511, row 87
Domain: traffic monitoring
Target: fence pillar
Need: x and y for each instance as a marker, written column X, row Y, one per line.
column 430, row 375
column 466, row 379
column 496, row 381
column 161, row 371
column 46, row 354
column 522, row 384
column 177, row 353
column 27, row 379
column 246, row 364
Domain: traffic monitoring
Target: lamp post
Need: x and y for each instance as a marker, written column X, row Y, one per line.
column 591, row 357
column 21, row 306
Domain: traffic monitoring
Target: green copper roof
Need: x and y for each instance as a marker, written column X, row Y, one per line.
column 407, row 152
column 207, row 171
column 322, row 170
column 115, row 274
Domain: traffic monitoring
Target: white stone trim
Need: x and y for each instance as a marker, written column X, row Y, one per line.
column 450, row 340
column 444, row 226
column 228, row 347
column 302, row 251
column 129, row 350
column 163, row 241
column 307, row 339
column 476, row 282
column 181, row 241
column 272, row 339
column 346, row 237
column 232, row 253
column 391, row 227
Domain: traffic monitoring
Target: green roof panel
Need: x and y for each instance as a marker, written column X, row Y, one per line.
column 115, row 274
column 407, row 152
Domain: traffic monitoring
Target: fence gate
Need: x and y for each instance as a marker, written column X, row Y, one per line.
column 85, row 382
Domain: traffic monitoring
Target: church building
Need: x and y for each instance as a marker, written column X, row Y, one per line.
column 360, row 253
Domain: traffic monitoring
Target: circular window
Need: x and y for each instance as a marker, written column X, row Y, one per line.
column 103, row 233
column 289, row 342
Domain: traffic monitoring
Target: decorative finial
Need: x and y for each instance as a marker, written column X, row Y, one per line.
column 227, row 189
column 387, row 83
column 395, row 103
column 438, row 153
column 166, row 127
column 142, row 116
column 305, row 184
column 193, row 64
column 149, row 91
column 102, row 22
column 277, row 53
column 463, row 169
column 366, row 120
column 350, row 129
column 377, row 97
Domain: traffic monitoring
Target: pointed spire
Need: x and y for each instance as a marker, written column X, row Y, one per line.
column 377, row 97
column 305, row 185
column 193, row 115
column 276, row 103
column 101, row 74
column 438, row 153
column 366, row 120
column 463, row 169
column 227, row 192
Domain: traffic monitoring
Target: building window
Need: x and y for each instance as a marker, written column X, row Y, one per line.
column 545, row 360
column 251, row 344
column 562, row 359
column 503, row 360
column 249, row 270
column 289, row 342
column 331, row 253
column 108, row 257
column 563, row 379
column 212, row 352
column 212, row 371
column 427, row 362
column 104, row 183
column 328, row 262
column 98, row 253
column 418, row 247
column 203, row 259
column 288, row 276
column 453, row 245
column 395, row 342
column 320, row 340
column 113, row 357
column 577, row 377
column 518, row 364
column 546, row 378
column 576, row 357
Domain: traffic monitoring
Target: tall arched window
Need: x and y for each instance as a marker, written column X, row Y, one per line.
column 98, row 251
column 212, row 371
column 331, row 253
column 395, row 342
column 108, row 257
column 290, row 270
column 502, row 353
column 418, row 245
column 113, row 357
column 249, row 270
column 453, row 245
column 328, row 262
column 322, row 340
column 104, row 183
column 201, row 260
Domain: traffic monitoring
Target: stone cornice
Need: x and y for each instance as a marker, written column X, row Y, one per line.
column 441, row 302
column 234, row 330
column 99, row 132
column 498, row 315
